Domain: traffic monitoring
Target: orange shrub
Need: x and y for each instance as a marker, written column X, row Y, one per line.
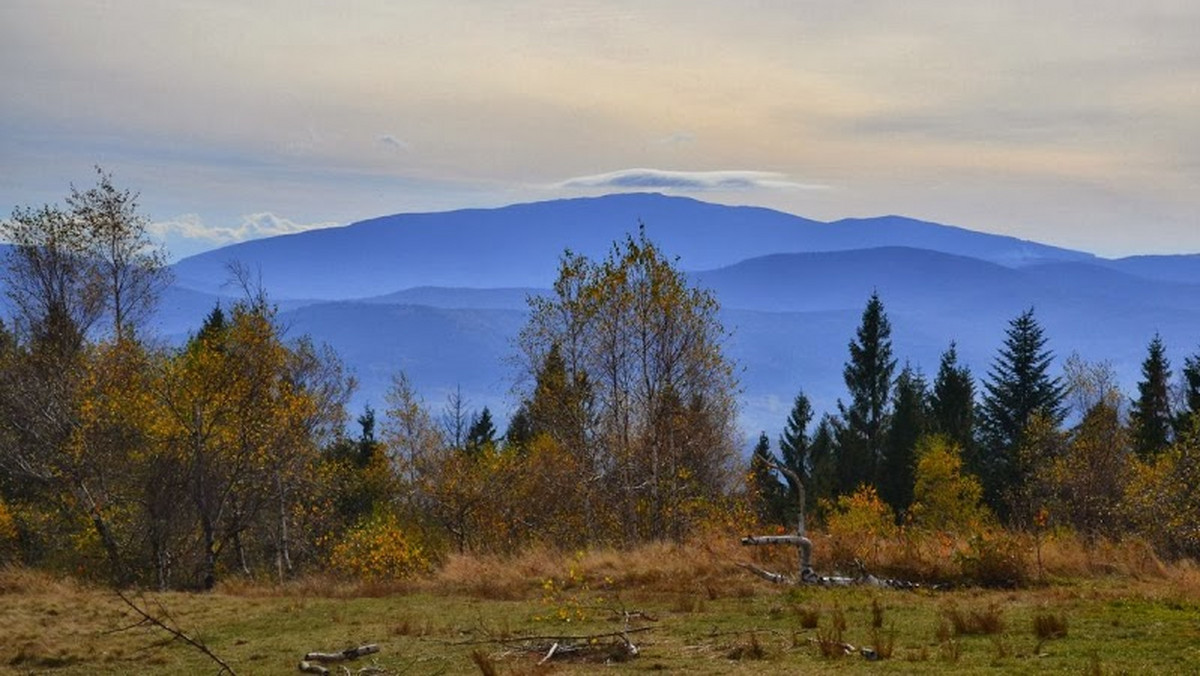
column 380, row 548
column 858, row 525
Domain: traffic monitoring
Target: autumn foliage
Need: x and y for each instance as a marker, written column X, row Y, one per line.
column 177, row 466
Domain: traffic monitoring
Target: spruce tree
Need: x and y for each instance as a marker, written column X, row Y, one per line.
column 793, row 444
column 822, row 484
column 367, row 445
column 868, row 376
column 520, row 428
column 908, row 425
column 771, row 496
column 1150, row 417
column 1191, row 395
column 1019, row 386
column 952, row 402
column 482, row 432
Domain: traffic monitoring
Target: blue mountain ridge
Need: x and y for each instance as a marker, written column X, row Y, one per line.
column 443, row 296
column 520, row 245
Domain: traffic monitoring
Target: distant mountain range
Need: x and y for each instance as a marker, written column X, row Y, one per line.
column 520, row 245
column 442, row 295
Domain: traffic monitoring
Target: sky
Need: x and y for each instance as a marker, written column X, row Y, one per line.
column 1073, row 123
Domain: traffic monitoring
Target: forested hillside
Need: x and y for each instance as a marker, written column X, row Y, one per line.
column 230, row 452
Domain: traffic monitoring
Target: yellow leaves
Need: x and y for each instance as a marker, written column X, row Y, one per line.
column 944, row 497
column 380, row 548
column 565, row 599
column 862, row 512
column 8, row 525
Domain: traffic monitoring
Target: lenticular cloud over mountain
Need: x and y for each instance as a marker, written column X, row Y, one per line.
column 649, row 179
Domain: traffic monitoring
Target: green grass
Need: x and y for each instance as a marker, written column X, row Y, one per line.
column 718, row 627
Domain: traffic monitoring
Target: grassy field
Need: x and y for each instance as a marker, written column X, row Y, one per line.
column 684, row 609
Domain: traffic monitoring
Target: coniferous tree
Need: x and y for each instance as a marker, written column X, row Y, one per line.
column 1019, row 386
column 952, row 402
column 821, row 452
column 794, row 445
column 1150, row 417
column 367, row 444
column 482, row 431
column 520, row 428
column 868, row 376
column 771, row 495
column 1191, row 394
column 908, row 425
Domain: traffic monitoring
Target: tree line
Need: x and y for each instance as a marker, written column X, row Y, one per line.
column 125, row 459
column 1121, row 466
column 136, row 462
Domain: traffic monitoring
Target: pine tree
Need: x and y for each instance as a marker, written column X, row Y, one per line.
column 908, row 425
column 952, row 403
column 1019, row 387
column 868, row 377
column 1150, row 417
column 794, row 446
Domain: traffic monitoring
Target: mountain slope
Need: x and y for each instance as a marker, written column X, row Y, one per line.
column 520, row 245
column 791, row 317
column 1185, row 268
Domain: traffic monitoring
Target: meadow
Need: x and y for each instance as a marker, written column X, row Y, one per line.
column 661, row 607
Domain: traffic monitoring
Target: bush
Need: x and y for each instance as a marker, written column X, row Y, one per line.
column 995, row 559
column 945, row 498
column 858, row 524
column 380, row 548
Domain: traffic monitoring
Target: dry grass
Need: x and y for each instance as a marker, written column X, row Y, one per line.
column 1066, row 555
column 682, row 568
column 694, row 590
column 750, row 649
column 883, row 642
column 945, row 557
column 15, row 579
column 809, row 617
column 989, row 620
column 1048, row 625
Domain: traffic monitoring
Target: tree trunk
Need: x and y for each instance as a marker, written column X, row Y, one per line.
column 283, row 558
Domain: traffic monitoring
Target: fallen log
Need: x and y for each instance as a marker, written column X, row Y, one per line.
column 347, row 654
column 806, row 574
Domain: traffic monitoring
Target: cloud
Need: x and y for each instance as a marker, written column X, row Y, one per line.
column 393, row 142
column 252, row 226
column 639, row 179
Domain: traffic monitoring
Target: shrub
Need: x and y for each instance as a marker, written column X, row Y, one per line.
column 945, row 498
column 858, row 524
column 994, row 559
column 380, row 548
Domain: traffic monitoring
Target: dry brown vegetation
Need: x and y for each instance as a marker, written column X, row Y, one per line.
column 700, row 612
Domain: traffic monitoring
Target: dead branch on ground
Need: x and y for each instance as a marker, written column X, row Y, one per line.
column 168, row 624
